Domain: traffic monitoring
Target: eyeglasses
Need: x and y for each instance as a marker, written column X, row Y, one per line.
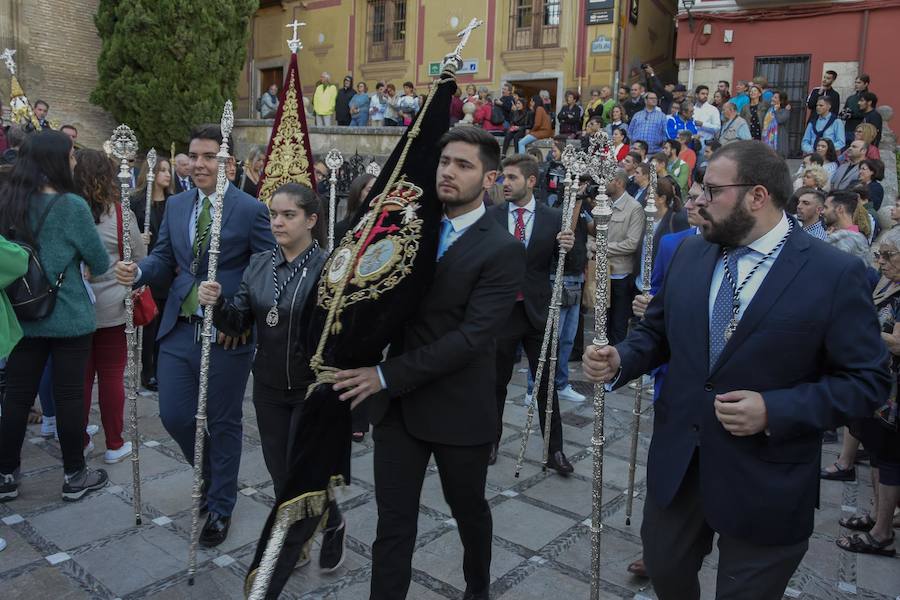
column 886, row 256
column 710, row 190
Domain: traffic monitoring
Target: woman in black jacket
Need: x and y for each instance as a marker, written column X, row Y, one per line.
column 570, row 116
column 275, row 288
column 342, row 102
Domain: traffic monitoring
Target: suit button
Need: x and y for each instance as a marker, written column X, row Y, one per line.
column 696, row 428
column 708, row 387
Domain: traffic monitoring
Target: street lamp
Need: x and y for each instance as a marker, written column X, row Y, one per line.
column 688, row 5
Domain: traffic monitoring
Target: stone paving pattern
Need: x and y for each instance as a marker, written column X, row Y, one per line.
column 92, row 549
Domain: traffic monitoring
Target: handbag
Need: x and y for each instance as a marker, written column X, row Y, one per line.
column 32, row 295
column 144, row 306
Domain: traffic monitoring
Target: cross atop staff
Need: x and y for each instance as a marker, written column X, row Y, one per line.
column 7, row 57
column 464, row 36
column 294, row 43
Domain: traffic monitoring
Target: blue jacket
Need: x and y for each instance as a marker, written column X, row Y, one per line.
column 675, row 123
column 817, row 364
column 245, row 231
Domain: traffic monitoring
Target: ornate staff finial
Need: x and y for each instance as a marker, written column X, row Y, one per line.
column 123, row 144
column 373, row 168
column 7, row 57
column 227, row 119
column 294, row 43
column 456, row 56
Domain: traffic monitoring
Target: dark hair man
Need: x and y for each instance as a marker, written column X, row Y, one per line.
column 809, row 204
column 729, row 445
column 852, row 114
column 824, row 91
column 438, row 397
column 70, row 131
column 181, row 251
column 867, row 103
column 537, row 227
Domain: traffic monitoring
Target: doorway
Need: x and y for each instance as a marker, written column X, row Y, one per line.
column 528, row 88
column 789, row 74
column 267, row 77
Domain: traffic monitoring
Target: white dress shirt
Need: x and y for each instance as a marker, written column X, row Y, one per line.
column 707, row 114
column 759, row 248
column 528, row 217
column 459, row 224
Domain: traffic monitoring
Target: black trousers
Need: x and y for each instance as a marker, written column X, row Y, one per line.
column 620, row 297
column 360, row 417
column 519, row 330
column 400, row 464
column 23, row 372
column 677, row 538
column 278, row 417
column 512, row 137
column 150, row 348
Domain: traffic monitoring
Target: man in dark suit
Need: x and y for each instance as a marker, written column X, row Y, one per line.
column 793, row 349
column 182, row 252
column 439, row 378
column 183, row 181
column 538, row 227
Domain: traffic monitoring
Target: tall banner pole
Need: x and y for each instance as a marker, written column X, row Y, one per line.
column 602, row 215
column 333, row 160
column 646, row 275
column 206, row 337
column 123, row 144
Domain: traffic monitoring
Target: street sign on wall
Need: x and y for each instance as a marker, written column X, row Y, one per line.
column 468, row 67
column 600, row 12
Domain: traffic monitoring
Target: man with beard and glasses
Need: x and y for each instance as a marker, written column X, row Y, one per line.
column 737, row 425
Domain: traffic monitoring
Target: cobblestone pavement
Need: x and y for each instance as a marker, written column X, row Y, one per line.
column 91, row 549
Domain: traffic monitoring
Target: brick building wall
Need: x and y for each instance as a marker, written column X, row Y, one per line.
column 56, row 54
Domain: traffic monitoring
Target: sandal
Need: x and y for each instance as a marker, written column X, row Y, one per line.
column 864, row 543
column 858, row 523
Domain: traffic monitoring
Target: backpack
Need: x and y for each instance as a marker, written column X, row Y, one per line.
column 32, row 295
column 497, row 115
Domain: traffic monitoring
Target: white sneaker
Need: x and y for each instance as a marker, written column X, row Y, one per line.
column 48, row 427
column 569, row 394
column 92, row 430
column 529, row 399
column 2, row 544
column 89, row 448
column 112, row 457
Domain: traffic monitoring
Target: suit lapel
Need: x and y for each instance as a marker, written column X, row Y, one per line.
column 185, row 227
column 228, row 203
column 462, row 244
column 787, row 265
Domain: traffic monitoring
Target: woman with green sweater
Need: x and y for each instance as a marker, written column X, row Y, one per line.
column 42, row 181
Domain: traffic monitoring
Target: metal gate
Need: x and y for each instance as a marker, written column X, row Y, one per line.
column 790, row 75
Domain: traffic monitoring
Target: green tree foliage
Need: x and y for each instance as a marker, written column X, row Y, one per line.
column 167, row 65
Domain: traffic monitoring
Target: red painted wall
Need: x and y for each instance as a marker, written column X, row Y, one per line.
column 826, row 38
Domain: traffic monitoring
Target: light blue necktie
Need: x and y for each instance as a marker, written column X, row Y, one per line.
column 723, row 309
column 444, row 242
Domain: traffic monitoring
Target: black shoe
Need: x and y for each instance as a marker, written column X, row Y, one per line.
column 559, row 463
column 839, row 474
column 492, row 457
column 9, row 486
column 215, row 530
column 331, row 556
column 473, row 596
column 81, row 483
column 151, row 384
